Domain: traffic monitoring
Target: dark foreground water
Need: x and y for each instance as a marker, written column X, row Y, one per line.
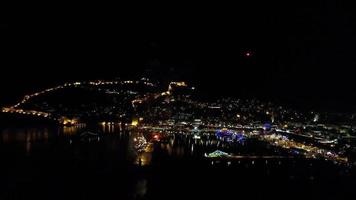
column 49, row 162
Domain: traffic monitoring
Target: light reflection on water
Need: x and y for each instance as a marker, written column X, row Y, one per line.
column 70, row 130
column 113, row 138
column 26, row 137
column 144, row 158
column 110, row 127
column 117, row 145
column 25, row 134
column 140, row 189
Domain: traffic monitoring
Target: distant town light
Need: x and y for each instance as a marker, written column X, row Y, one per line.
column 248, row 54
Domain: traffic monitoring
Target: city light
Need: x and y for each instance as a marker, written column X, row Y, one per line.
column 237, row 121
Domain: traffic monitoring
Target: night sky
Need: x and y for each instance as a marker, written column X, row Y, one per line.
column 303, row 54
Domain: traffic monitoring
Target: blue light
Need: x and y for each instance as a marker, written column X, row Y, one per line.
column 224, row 133
column 267, row 126
column 230, row 136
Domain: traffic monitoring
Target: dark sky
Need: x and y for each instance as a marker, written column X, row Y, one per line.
column 300, row 52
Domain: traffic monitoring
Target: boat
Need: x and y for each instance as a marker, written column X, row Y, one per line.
column 88, row 136
column 217, row 154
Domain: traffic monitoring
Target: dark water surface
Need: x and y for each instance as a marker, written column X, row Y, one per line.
column 49, row 162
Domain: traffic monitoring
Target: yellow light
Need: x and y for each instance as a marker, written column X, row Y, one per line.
column 165, row 93
column 134, row 122
column 67, row 121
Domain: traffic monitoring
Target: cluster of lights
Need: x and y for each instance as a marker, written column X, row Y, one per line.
column 165, row 93
column 307, row 150
column 275, row 139
column 69, row 122
column 26, row 112
column 136, row 101
column 15, row 109
column 107, row 123
column 169, row 91
column 62, row 120
column 180, row 84
column 65, row 85
column 140, row 143
column 229, row 135
column 177, row 84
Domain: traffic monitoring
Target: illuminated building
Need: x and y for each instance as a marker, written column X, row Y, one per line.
column 224, row 133
column 229, row 135
column 217, row 154
column 69, row 122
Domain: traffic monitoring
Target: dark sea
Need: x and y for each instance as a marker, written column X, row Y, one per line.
column 43, row 161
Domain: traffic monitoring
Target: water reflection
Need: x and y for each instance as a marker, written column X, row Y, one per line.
column 144, row 159
column 140, row 147
column 26, row 137
column 24, row 134
column 140, row 189
column 111, row 127
column 71, row 130
column 115, row 157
